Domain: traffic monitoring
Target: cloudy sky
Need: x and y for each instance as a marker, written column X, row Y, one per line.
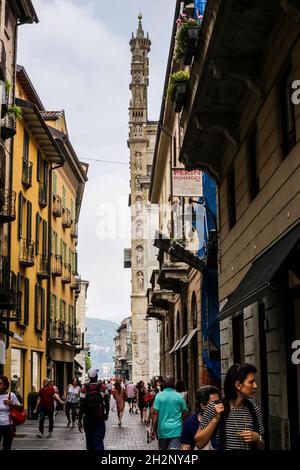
column 78, row 58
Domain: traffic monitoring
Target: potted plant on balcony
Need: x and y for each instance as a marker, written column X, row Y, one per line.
column 177, row 89
column 186, row 39
column 8, row 123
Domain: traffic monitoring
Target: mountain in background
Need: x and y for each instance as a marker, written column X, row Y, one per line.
column 99, row 335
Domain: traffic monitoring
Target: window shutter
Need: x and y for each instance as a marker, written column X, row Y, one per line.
column 51, row 306
column 44, row 237
column 37, row 232
column 56, row 307
column 39, row 161
column 20, row 225
column 64, row 197
column 36, row 307
column 60, row 309
column 54, row 184
column 26, row 301
column 45, row 174
column 29, row 221
column 25, row 146
column 42, row 308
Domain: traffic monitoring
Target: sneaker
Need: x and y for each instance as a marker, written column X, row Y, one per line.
column 40, row 435
column 49, row 435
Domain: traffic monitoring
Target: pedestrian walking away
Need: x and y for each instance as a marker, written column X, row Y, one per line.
column 236, row 421
column 119, row 395
column 45, row 406
column 94, row 409
column 169, row 411
column 8, row 400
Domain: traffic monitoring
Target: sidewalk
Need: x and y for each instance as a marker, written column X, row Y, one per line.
column 130, row 436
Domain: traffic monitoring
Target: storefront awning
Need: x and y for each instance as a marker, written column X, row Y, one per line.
column 79, row 366
column 188, row 338
column 172, row 350
column 258, row 280
column 180, row 342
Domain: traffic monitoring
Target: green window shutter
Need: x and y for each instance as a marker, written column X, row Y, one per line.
column 64, row 197
column 56, row 308
column 72, row 210
column 52, row 241
column 37, row 232
column 39, row 164
column 20, row 224
column 69, row 315
column 25, row 146
column 42, row 309
column 65, row 252
column 56, row 244
column 26, row 301
column 36, row 306
column 44, row 238
column 51, row 306
column 29, row 221
column 62, row 249
column 60, row 309
column 54, row 183
column 45, row 174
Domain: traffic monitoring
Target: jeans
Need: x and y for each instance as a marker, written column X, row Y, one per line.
column 94, row 434
column 71, row 407
column 7, row 435
column 173, row 443
column 43, row 414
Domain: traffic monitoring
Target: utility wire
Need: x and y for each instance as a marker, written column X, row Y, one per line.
column 104, row 161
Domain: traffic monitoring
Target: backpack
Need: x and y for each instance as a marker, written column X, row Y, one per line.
column 94, row 403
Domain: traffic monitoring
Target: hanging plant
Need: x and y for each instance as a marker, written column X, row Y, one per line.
column 16, row 110
column 183, row 37
column 182, row 76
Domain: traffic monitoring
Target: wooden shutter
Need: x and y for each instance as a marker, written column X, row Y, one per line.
column 29, row 221
column 45, row 174
column 54, row 189
column 37, row 232
column 44, row 237
column 26, row 301
column 20, row 224
column 36, row 307
column 25, row 146
column 42, row 308
column 39, row 161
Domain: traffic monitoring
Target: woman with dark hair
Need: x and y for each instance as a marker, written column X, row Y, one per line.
column 180, row 388
column 236, row 421
column 141, row 392
column 8, row 400
column 205, row 394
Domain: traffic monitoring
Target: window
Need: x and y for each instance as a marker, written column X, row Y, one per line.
column 253, row 165
column 17, row 372
column 287, row 114
column 231, row 198
column 35, row 371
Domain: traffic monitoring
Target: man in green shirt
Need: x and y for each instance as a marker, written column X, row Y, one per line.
column 169, row 411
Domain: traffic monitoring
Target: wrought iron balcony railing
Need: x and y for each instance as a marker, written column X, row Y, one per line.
column 57, row 330
column 74, row 230
column 66, row 274
column 7, row 205
column 57, row 206
column 77, row 337
column 43, row 268
column 8, row 126
column 66, row 220
column 43, row 200
column 76, row 283
column 26, row 255
column 27, row 173
column 56, row 265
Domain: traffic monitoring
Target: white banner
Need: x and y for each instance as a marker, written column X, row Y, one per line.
column 187, row 183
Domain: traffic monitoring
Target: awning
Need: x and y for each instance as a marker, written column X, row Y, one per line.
column 258, row 280
column 188, row 339
column 78, row 365
column 179, row 343
column 172, row 350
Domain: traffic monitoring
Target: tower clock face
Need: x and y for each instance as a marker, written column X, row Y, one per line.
column 137, row 78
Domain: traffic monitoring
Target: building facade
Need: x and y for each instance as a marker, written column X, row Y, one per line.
column 79, row 359
column 241, row 113
column 142, row 132
column 12, row 15
column 123, row 350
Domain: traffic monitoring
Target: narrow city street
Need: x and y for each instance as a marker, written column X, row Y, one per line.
column 130, row 436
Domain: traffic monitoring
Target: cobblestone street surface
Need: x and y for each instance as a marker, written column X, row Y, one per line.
column 130, row 436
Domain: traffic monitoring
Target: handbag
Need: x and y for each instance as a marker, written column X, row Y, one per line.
column 17, row 416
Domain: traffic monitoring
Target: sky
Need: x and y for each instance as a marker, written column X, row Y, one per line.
column 78, row 58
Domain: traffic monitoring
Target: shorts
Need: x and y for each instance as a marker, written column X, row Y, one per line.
column 130, row 400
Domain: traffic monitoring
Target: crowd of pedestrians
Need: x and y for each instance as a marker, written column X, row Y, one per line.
column 233, row 422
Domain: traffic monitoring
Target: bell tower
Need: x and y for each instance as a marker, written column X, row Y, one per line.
column 141, row 141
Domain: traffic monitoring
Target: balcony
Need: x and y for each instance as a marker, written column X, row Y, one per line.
column 76, row 283
column 43, row 200
column 74, row 230
column 2, row 61
column 43, row 268
column 57, row 330
column 7, row 205
column 27, row 173
column 10, row 298
column 57, row 206
column 66, row 274
column 68, row 338
column 26, row 255
column 5, row 101
column 173, row 276
column 77, row 338
column 66, row 220
column 8, row 126
column 56, row 265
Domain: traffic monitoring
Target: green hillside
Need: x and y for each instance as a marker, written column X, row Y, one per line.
column 99, row 335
